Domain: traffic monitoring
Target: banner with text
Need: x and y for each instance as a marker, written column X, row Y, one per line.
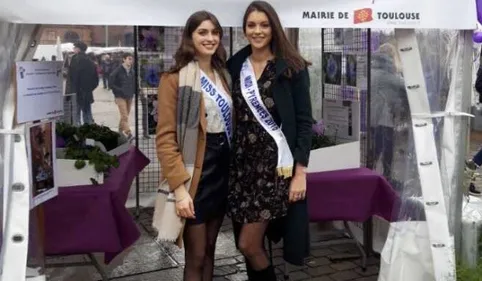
column 444, row 14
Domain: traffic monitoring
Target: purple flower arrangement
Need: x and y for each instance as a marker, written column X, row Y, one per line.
column 318, row 128
column 319, row 138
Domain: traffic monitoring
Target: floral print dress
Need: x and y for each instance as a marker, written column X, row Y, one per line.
column 256, row 194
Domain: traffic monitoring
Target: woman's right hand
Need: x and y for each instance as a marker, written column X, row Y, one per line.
column 184, row 203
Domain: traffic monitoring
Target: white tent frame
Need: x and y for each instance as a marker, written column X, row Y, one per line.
column 17, row 189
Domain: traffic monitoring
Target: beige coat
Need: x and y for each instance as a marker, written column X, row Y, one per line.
column 170, row 158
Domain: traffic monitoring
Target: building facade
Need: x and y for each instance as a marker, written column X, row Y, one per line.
column 98, row 36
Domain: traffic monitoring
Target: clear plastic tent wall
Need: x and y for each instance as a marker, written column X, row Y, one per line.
column 10, row 38
column 391, row 129
column 15, row 45
column 394, row 148
column 7, row 58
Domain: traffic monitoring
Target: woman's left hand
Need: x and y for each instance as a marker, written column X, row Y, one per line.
column 298, row 188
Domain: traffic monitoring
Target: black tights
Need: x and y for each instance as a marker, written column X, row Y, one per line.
column 200, row 245
column 251, row 245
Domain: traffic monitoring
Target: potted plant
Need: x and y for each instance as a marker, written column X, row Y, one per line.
column 84, row 160
column 112, row 142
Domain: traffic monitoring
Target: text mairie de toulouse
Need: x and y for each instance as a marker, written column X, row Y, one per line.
column 346, row 15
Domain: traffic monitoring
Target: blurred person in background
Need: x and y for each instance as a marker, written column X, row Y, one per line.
column 83, row 81
column 145, row 115
column 106, row 66
column 123, row 85
column 95, row 60
column 116, row 60
column 389, row 104
column 65, row 71
column 474, row 163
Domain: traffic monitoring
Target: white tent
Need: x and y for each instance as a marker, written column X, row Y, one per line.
column 305, row 13
column 19, row 30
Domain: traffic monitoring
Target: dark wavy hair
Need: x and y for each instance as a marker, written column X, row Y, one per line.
column 187, row 52
column 280, row 45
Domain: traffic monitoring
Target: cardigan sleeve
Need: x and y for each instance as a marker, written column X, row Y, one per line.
column 300, row 88
column 170, row 158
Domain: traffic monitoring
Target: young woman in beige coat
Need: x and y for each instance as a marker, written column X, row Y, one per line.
column 193, row 137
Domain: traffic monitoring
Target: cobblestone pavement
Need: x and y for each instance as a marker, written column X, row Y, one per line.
column 149, row 261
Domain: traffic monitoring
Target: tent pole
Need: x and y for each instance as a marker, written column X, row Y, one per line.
column 461, row 143
column 16, row 183
column 136, row 111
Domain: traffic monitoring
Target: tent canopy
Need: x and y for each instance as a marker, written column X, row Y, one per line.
column 441, row 14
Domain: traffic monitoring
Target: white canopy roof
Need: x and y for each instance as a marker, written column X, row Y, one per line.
column 442, row 14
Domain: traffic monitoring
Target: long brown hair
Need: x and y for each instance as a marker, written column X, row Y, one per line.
column 187, row 52
column 280, row 45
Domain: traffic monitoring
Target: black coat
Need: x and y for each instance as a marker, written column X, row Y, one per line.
column 293, row 103
column 83, row 78
column 122, row 84
column 478, row 83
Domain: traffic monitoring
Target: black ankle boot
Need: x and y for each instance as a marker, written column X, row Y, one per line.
column 266, row 274
column 252, row 276
column 270, row 274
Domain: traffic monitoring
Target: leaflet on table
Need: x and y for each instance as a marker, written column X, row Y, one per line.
column 361, row 70
column 41, row 149
column 39, row 90
column 342, row 119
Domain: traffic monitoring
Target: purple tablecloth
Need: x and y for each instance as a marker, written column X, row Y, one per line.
column 351, row 195
column 93, row 219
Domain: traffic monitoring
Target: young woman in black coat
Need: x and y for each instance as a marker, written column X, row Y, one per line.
column 271, row 142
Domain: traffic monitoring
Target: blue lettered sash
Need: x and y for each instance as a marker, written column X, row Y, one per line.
column 250, row 91
column 219, row 97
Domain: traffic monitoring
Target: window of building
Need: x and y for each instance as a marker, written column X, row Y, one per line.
column 51, row 36
column 71, row 37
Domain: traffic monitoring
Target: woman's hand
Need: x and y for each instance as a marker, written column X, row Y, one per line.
column 298, row 185
column 184, row 203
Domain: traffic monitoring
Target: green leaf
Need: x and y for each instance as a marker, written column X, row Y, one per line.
column 79, row 164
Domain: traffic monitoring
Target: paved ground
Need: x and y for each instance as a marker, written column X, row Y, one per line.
column 149, row 261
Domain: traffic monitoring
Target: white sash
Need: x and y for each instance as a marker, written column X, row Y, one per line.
column 250, row 91
column 219, row 97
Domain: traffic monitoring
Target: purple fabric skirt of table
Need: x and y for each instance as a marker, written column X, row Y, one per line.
column 351, row 195
column 93, row 219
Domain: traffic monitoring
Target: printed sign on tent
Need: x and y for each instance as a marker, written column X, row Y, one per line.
column 41, row 155
column 342, row 118
column 39, row 90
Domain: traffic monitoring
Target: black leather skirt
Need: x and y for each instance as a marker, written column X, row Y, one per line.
column 212, row 192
